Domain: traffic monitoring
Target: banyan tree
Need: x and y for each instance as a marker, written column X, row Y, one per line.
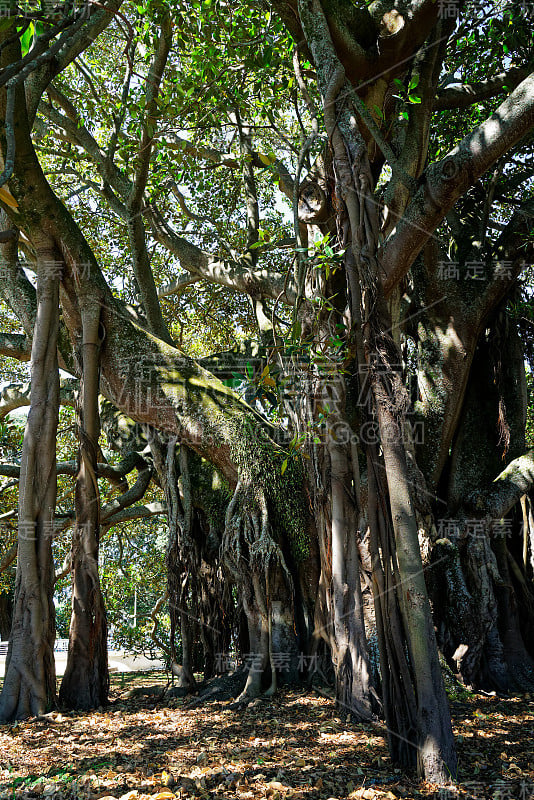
column 347, row 187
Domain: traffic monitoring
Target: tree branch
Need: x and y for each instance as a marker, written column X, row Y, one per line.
column 231, row 274
column 17, row 395
column 467, row 94
column 115, row 474
column 135, row 199
column 135, row 512
column 132, row 495
column 15, row 345
column 178, row 285
column 174, row 142
column 153, row 83
column 446, row 180
column 506, row 490
column 9, row 558
column 101, row 16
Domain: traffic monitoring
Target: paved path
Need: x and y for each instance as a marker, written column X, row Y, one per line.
column 118, row 662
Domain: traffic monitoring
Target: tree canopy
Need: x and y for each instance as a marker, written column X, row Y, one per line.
column 265, row 285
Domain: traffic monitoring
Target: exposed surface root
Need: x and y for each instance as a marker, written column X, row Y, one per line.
column 222, row 688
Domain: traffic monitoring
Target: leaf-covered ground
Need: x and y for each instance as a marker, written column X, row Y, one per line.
column 291, row 746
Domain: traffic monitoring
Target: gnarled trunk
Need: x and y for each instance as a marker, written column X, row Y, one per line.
column 484, row 611
column 29, row 686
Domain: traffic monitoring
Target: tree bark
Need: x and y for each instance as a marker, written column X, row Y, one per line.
column 85, row 684
column 349, row 644
column 436, row 753
column 29, row 686
column 485, row 621
column 375, row 350
column 6, row 615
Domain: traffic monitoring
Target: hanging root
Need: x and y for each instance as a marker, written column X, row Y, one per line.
column 257, row 564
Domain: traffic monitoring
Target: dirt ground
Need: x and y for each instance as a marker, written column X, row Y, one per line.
column 291, row 746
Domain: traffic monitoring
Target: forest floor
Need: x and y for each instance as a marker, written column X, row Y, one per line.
column 290, row 747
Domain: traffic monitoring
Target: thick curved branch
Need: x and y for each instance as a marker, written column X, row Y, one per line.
column 506, row 490
column 145, row 277
column 135, row 512
column 135, row 200
column 9, row 558
column 101, row 14
column 153, row 83
column 133, row 494
column 447, row 180
column 15, row 288
column 17, row 395
column 12, row 397
column 232, row 275
column 426, row 68
column 114, row 474
column 178, row 285
column 15, row 345
column 467, row 94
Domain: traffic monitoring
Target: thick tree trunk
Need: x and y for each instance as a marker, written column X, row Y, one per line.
column 486, row 618
column 257, row 560
column 398, row 695
column 435, row 743
column 349, row 645
column 85, row 684
column 182, row 563
column 374, row 349
column 6, row 615
column 29, row 686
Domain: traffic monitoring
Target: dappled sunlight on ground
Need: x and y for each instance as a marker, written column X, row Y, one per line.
column 291, row 746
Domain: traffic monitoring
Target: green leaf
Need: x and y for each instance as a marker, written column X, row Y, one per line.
column 26, row 39
column 378, row 112
column 284, row 466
